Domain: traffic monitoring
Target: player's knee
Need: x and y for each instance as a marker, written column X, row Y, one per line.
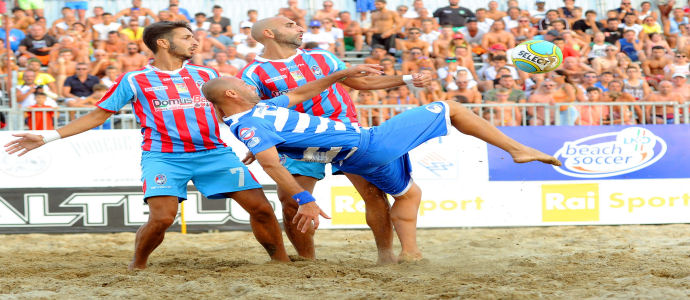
column 262, row 212
column 161, row 221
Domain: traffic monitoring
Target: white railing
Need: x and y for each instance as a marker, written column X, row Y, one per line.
column 51, row 118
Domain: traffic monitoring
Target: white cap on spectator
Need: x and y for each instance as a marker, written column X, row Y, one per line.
column 246, row 24
column 679, row 75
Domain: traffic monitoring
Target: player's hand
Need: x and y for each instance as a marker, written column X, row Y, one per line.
column 249, row 158
column 25, row 143
column 421, row 79
column 306, row 214
column 365, row 70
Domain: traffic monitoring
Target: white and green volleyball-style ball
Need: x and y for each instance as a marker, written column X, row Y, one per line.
column 536, row 56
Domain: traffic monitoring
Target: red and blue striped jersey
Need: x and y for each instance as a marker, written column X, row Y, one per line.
column 173, row 113
column 273, row 78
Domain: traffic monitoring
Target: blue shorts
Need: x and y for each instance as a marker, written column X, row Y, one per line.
column 213, row 172
column 384, row 160
column 77, row 5
column 307, row 168
column 365, row 5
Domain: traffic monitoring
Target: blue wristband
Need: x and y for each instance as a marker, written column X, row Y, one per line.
column 303, row 198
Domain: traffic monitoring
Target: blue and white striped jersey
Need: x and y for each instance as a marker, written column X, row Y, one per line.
column 298, row 135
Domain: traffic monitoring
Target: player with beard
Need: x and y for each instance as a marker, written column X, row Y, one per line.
column 181, row 141
column 282, row 67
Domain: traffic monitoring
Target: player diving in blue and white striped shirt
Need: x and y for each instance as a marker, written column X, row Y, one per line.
column 379, row 154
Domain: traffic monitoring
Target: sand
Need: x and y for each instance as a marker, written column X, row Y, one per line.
column 643, row 262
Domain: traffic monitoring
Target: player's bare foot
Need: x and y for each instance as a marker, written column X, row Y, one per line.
column 409, row 257
column 133, row 267
column 387, row 258
column 527, row 154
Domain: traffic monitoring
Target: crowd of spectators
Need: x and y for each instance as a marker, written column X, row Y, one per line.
column 628, row 55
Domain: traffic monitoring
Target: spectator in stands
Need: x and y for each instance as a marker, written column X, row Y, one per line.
column 524, row 29
column 26, row 91
column 200, row 22
column 654, row 66
column 21, row 20
column 111, row 75
column 618, row 114
column 433, row 92
column 79, row 86
column 325, row 40
column 606, row 63
column 511, row 20
column 220, row 63
column 494, row 13
column 133, row 33
column 16, row 36
column 100, row 63
column 629, row 24
column 337, row 33
column 327, row 12
column 181, row 11
column 592, row 114
column 656, row 39
column 546, row 23
column 225, row 24
column 249, row 47
column 37, row 44
column 216, row 33
column 504, row 115
column 136, row 12
column 440, row 46
column 384, row 25
column 410, row 63
column 99, row 91
column 389, row 67
column 672, row 25
column 604, row 79
column 107, row 25
column 566, row 11
column 587, row 27
column 97, row 17
column 132, row 60
column 680, row 65
column 683, row 44
column 352, row 32
column 543, row 95
column 429, row 35
column 453, row 14
column 40, row 120
column 498, row 35
column 483, row 22
column 114, row 45
column 625, row 9
column 634, row 85
column 413, row 41
column 293, row 13
column 539, row 13
column 646, row 11
column 597, row 48
column 507, row 83
column 612, row 32
column 463, row 81
column 378, row 52
column 63, row 67
column 234, row 59
column 566, row 49
column 60, row 26
column 252, row 16
column 40, row 78
column 33, row 8
column 680, row 86
column 423, row 15
column 245, row 31
column 589, row 79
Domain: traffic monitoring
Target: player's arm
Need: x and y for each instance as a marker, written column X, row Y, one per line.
column 27, row 141
column 384, row 82
column 308, row 210
column 314, row 88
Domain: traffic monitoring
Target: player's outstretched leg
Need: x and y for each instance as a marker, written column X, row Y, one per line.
column 469, row 123
column 263, row 221
column 404, row 216
column 162, row 213
column 378, row 217
column 303, row 242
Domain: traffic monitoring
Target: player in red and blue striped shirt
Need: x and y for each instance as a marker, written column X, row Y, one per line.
column 283, row 67
column 181, row 141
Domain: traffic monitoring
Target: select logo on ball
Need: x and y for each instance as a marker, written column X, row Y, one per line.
column 537, row 56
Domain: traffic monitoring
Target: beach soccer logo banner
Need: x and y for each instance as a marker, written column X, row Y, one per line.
column 597, row 152
column 610, row 154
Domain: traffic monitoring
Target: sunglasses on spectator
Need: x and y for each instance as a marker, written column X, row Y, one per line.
column 523, row 21
column 416, row 53
column 680, row 56
column 610, row 50
column 415, row 32
column 81, row 69
column 590, row 76
column 625, row 3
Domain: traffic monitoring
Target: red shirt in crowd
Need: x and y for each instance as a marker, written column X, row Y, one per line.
column 40, row 120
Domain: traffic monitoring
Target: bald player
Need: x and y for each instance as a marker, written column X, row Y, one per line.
column 284, row 66
column 378, row 154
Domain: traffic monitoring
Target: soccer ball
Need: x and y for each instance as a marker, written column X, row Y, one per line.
column 536, row 56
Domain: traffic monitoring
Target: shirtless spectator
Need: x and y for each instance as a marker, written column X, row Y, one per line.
column 100, row 63
column 293, row 13
column 137, row 12
column 352, row 32
column 575, row 68
column 21, row 20
column 413, row 41
column 114, row 45
column 97, row 17
column 384, row 25
column 663, row 114
column 63, row 67
column 592, row 114
column 410, row 63
column 536, row 116
column 653, row 67
column 175, row 13
column 327, row 12
column 220, row 63
column 494, row 13
column 61, row 25
column 680, row 86
column 524, row 29
column 441, row 44
column 423, row 16
column 608, row 62
column 498, row 35
column 618, row 114
column 505, row 114
column 463, row 80
column 132, row 60
column 80, row 47
column 207, row 45
column 165, row 15
column 378, row 52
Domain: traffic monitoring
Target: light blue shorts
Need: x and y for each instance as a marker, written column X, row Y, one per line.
column 77, row 5
column 213, row 172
